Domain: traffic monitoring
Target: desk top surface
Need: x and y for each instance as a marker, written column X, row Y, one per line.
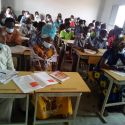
column 20, row 50
column 74, row 84
column 100, row 53
column 114, row 75
column 11, row 88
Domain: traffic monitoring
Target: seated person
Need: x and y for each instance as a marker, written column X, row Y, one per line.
column 49, row 29
column 9, row 34
column 26, row 28
column 46, row 51
column 58, row 21
column 80, row 44
column 67, row 34
column 8, row 13
column 111, row 56
column 113, row 35
column 35, row 37
column 20, row 16
column 37, row 17
column 6, row 63
column 109, row 61
column 100, row 42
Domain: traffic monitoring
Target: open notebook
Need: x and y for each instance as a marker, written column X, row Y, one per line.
column 6, row 76
column 30, row 83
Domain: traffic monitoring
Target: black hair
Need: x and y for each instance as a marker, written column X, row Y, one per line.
column 103, row 26
column 103, row 33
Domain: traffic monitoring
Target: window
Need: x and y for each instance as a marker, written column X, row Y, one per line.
column 120, row 18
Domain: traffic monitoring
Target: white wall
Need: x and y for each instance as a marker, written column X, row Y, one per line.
column 110, row 11
column 86, row 9
column 0, row 5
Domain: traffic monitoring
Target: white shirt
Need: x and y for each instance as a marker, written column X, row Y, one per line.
column 6, row 61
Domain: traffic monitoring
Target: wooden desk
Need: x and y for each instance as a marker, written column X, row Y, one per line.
column 72, row 87
column 92, row 58
column 21, row 52
column 114, row 78
column 10, row 90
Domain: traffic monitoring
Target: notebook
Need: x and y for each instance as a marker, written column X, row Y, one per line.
column 60, row 76
column 30, row 83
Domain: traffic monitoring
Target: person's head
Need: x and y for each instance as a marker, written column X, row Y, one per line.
column 103, row 26
column 8, row 10
column 91, row 26
column 9, row 24
column 26, row 14
column 81, row 23
column 59, row 15
column 68, row 29
column 118, row 45
column 84, row 22
column 118, row 32
column 97, row 24
column 103, row 34
column 67, row 22
column 36, row 13
column 72, row 16
column 23, row 12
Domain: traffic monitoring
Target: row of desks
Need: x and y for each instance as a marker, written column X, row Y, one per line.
column 73, row 87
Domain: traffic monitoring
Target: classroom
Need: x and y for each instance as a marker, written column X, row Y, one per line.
column 62, row 62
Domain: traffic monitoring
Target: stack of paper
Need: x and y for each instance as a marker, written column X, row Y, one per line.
column 60, row 76
column 89, row 51
column 6, row 76
column 33, row 82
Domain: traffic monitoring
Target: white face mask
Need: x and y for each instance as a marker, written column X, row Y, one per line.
column 121, row 35
column 49, row 23
column 46, row 44
column 104, row 39
column 59, row 21
column 72, row 19
column 9, row 30
column 37, row 16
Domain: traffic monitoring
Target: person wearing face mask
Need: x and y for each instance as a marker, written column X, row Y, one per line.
column 26, row 28
column 110, row 61
column 100, row 42
column 97, row 28
column 6, row 63
column 49, row 30
column 65, row 34
column 58, row 21
column 49, row 19
column 72, row 21
column 9, row 34
column 114, row 34
column 24, row 17
column 9, row 13
column 37, row 17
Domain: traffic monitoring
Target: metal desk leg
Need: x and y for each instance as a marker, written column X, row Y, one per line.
column 77, row 105
column 78, row 63
column 35, row 110
column 27, row 107
column 105, row 100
